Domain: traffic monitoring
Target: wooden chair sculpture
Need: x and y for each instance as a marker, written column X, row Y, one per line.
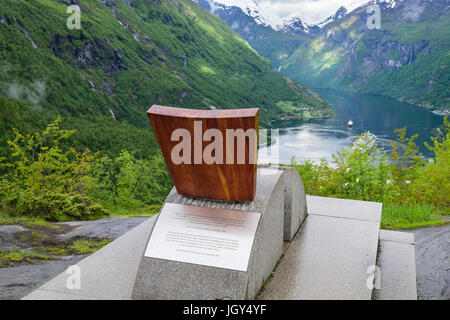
column 210, row 154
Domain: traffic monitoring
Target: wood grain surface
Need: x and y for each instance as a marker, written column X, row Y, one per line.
column 226, row 181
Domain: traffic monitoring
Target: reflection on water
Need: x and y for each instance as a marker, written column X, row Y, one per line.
column 316, row 139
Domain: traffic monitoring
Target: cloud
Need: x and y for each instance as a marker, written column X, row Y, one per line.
column 34, row 93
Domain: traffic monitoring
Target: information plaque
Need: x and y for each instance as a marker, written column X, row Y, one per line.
column 205, row 236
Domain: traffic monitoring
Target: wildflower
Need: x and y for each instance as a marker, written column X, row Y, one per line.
column 365, row 142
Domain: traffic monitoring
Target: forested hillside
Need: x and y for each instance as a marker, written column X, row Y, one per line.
column 129, row 55
column 74, row 132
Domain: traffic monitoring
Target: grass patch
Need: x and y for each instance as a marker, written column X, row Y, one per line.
column 410, row 216
column 148, row 211
column 10, row 257
column 86, row 246
column 53, row 251
column 28, row 222
column 38, row 235
column 41, row 224
column 80, row 246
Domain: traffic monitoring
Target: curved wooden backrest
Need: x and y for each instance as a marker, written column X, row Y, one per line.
column 195, row 165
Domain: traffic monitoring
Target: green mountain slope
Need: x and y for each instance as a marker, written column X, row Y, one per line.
column 407, row 59
column 131, row 54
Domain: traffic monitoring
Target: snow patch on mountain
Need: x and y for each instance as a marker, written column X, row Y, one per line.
column 340, row 13
column 389, row 3
column 251, row 8
column 288, row 24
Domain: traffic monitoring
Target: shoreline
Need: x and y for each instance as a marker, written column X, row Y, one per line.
column 432, row 109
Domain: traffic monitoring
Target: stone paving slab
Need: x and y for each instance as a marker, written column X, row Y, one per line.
column 343, row 208
column 396, row 236
column 397, row 262
column 328, row 260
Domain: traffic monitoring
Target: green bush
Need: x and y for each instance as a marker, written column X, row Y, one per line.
column 42, row 180
column 49, row 205
column 126, row 182
column 360, row 173
column 432, row 184
column 42, row 177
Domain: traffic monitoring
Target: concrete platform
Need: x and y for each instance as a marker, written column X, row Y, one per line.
column 330, row 256
column 327, row 259
column 343, row 208
column 397, row 262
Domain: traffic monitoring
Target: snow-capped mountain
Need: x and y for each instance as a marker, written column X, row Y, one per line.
column 229, row 10
column 233, row 12
column 249, row 7
column 340, row 13
column 388, row 3
column 296, row 25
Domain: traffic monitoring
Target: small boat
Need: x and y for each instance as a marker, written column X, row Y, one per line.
column 350, row 124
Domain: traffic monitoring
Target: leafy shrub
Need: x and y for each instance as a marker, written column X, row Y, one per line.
column 130, row 183
column 432, row 184
column 44, row 178
column 50, row 205
column 360, row 173
column 44, row 181
column 405, row 164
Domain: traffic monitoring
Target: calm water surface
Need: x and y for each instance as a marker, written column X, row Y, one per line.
column 316, row 139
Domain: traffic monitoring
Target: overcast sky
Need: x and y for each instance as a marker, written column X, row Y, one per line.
column 310, row 11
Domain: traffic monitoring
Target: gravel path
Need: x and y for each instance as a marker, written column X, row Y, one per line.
column 433, row 262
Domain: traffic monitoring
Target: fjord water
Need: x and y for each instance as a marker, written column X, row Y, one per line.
column 316, row 139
